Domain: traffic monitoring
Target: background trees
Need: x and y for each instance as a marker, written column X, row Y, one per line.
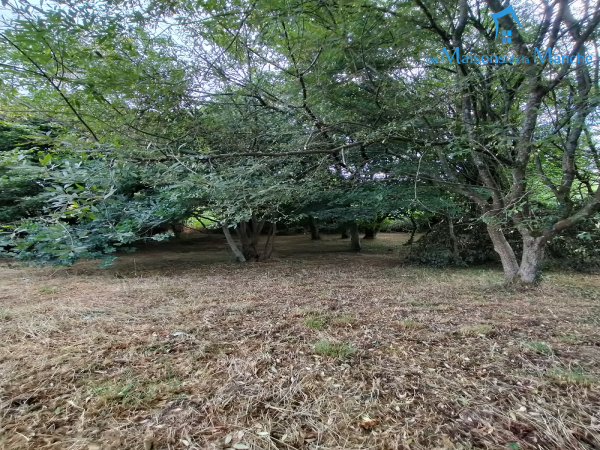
column 343, row 112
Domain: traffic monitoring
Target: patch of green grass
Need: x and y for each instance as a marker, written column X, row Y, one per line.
column 345, row 320
column 481, row 329
column 129, row 393
column 570, row 338
column 315, row 322
column 410, row 324
column 5, row 315
column 333, row 349
column 48, row 290
column 540, row 347
column 574, row 375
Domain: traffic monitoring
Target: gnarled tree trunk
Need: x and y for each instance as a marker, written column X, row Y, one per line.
column 249, row 234
column 527, row 272
column 533, row 255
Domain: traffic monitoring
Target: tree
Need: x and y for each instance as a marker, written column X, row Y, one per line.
column 511, row 136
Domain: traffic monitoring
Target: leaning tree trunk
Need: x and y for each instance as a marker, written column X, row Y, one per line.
column 505, row 251
column 412, row 232
column 234, row 248
column 270, row 241
column 355, row 244
column 314, row 230
column 533, row 255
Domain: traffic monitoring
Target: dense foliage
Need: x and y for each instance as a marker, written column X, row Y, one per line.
column 342, row 114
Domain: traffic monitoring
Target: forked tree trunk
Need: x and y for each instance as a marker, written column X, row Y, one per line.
column 248, row 243
column 355, row 244
column 533, row 255
column 505, row 251
column 527, row 272
column 249, row 234
column 314, row 230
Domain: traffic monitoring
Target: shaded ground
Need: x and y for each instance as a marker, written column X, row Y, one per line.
column 176, row 347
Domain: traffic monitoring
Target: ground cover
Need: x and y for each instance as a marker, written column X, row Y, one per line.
column 177, row 347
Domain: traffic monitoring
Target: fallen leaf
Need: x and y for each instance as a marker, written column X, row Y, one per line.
column 368, row 424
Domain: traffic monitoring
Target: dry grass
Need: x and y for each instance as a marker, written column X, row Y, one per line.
column 176, row 347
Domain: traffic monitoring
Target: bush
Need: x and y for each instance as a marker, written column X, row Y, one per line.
column 577, row 248
column 435, row 249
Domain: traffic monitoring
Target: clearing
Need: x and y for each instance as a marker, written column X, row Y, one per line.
column 177, row 347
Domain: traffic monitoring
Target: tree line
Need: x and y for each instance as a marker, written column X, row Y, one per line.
column 119, row 116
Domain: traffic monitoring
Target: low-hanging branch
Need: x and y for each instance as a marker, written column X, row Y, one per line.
column 323, row 150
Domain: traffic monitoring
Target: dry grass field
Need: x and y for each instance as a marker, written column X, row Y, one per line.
column 177, row 347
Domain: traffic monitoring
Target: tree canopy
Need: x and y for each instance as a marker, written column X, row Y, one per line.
column 121, row 116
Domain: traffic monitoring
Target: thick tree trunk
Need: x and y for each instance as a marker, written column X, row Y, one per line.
column 370, row 233
column 234, row 248
column 533, row 255
column 355, row 244
column 248, row 243
column 314, row 231
column 505, row 251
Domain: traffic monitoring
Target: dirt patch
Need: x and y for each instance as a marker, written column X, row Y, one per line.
column 173, row 348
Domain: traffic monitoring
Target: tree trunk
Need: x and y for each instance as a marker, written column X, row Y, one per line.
column 234, row 248
column 257, row 226
column 533, row 255
column 355, row 244
column 455, row 252
column 248, row 243
column 270, row 241
column 413, row 231
column 505, row 251
column 370, row 232
column 314, row 231
column 177, row 229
